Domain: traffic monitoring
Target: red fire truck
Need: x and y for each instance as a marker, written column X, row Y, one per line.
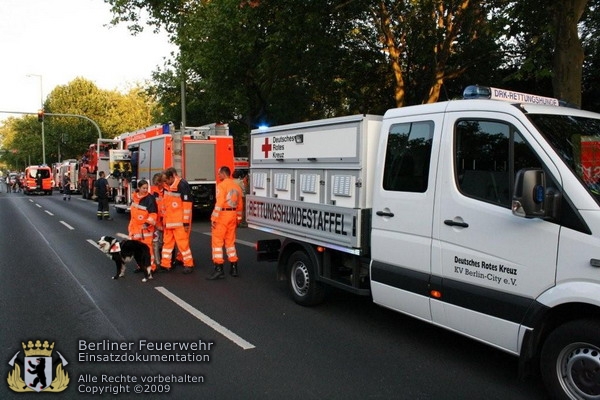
column 197, row 154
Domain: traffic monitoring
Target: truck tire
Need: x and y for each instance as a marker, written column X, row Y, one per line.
column 570, row 361
column 304, row 287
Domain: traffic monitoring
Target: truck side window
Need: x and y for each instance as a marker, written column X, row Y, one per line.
column 407, row 157
column 488, row 154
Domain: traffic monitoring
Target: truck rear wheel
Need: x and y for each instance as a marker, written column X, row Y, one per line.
column 305, row 288
column 570, row 361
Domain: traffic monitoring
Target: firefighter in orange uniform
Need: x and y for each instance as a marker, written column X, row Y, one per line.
column 157, row 190
column 225, row 218
column 144, row 214
column 177, row 203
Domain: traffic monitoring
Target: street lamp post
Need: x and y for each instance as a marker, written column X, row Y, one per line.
column 42, row 108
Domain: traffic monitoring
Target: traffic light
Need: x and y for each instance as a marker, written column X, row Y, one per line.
column 41, row 116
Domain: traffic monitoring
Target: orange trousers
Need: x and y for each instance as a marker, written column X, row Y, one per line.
column 178, row 255
column 176, row 236
column 224, row 233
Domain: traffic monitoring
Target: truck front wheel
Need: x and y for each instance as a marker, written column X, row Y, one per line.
column 570, row 361
column 302, row 280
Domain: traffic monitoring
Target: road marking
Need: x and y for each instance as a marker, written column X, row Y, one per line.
column 93, row 243
column 49, row 213
column 206, row 319
column 67, row 225
column 38, row 205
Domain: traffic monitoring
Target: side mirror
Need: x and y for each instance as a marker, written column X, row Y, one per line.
column 531, row 196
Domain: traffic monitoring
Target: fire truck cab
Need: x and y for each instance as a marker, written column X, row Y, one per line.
column 197, row 154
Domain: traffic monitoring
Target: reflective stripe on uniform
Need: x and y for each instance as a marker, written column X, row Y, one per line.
column 138, row 205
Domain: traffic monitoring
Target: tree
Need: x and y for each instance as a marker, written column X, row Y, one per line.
column 115, row 113
column 550, row 25
column 69, row 137
column 255, row 61
column 568, row 50
column 22, row 140
column 431, row 42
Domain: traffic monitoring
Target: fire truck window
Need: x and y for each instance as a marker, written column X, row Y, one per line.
column 488, row 155
column 408, row 157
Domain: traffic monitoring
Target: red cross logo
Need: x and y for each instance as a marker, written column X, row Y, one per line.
column 266, row 147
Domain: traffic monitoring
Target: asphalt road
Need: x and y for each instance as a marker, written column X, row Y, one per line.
column 246, row 338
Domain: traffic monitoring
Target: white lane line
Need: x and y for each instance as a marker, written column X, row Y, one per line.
column 38, row 206
column 206, row 319
column 67, row 225
column 48, row 212
column 93, row 243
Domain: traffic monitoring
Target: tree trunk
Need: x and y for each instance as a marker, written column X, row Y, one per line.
column 392, row 45
column 568, row 51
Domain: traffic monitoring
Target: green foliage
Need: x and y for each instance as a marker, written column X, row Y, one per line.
column 69, row 136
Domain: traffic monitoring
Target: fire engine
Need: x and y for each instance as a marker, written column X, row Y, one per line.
column 197, row 154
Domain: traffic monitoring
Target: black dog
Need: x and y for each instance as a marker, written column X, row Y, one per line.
column 124, row 251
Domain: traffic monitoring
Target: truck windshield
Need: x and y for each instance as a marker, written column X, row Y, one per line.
column 577, row 141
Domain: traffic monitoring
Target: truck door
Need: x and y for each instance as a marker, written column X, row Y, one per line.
column 492, row 263
column 402, row 214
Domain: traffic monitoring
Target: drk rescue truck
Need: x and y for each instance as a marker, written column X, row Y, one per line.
column 197, row 156
column 477, row 215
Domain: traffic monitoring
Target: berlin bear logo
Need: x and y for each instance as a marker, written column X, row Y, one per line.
column 38, row 369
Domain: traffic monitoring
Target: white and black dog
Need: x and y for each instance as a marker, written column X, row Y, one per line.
column 124, row 251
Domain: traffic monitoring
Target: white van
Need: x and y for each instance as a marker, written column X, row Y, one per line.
column 480, row 216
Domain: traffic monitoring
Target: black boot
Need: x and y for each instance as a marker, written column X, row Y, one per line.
column 234, row 271
column 217, row 274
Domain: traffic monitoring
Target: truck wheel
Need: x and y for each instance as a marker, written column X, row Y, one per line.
column 302, row 280
column 570, row 361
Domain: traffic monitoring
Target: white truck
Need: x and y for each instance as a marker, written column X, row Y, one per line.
column 477, row 215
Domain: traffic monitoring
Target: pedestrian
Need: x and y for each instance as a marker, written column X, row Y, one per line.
column 157, row 190
column 225, row 218
column 101, row 193
column 143, row 213
column 177, row 221
column 66, row 183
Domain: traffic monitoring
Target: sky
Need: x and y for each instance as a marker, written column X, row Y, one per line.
column 57, row 41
